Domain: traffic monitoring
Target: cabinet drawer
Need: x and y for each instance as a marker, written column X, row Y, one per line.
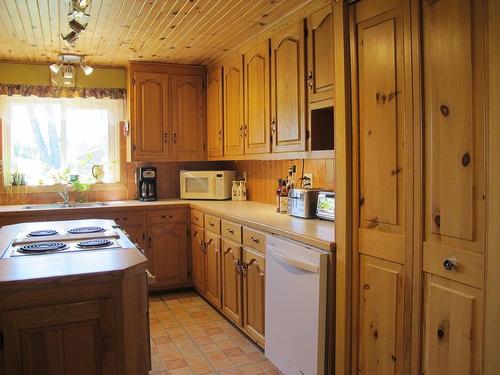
column 212, row 223
column 454, row 264
column 197, row 218
column 254, row 239
column 126, row 218
column 172, row 215
column 231, row 231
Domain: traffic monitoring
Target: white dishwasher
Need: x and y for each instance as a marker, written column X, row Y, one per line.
column 296, row 280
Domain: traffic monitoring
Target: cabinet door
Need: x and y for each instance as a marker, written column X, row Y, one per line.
column 231, row 281
column 188, row 117
column 454, row 91
column 383, row 149
column 213, row 290
column 453, row 330
column 167, row 252
column 254, row 295
column 320, row 55
column 233, row 107
column 76, row 338
column 288, row 89
column 257, row 104
column 215, row 113
column 137, row 235
column 381, row 317
column 150, row 108
column 198, row 258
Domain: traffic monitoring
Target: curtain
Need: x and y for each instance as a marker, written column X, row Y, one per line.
column 61, row 92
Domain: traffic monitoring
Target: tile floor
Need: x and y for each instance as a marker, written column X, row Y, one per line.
column 188, row 336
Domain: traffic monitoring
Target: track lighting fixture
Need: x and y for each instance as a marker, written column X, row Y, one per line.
column 56, row 67
column 65, row 68
column 76, row 26
column 70, row 38
column 86, row 68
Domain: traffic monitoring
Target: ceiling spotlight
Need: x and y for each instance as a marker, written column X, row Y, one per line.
column 68, row 72
column 76, row 26
column 70, row 39
column 86, row 68
column 56, row 67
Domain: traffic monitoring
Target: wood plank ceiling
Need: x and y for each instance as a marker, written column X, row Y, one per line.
column 178, row 31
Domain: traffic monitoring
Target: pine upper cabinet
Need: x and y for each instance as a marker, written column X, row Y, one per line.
column 150, row 116
column 257, row 100
column 167, row 105
column 215, row 114
column 167, row 253
column 254, row 295
column 452, row 329
column 188, row 117
column 288, row 83
column 234, row 140
column 198, row 258
column 320, row 55
column 213, row 272
column 454, row 214
column 232, row 281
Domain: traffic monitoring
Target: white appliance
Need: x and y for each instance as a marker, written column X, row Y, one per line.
column 214, row 185
column 55, row 238
column 296, row 282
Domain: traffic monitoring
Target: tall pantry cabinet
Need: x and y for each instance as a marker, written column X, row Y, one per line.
column 419, row 186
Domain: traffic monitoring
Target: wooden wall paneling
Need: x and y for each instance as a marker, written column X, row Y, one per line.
column 339, row 348
column 492, row 302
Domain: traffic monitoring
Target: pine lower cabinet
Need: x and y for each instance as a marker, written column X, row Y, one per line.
column 254, row 283
column 213, row 265
column 167, row 253
column 232, row 298
column 229, row 271
column 74, row 338
column 452, row 328
column 380, row 316
column 198, row 262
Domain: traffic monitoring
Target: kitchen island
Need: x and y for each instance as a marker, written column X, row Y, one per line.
column 75, row 312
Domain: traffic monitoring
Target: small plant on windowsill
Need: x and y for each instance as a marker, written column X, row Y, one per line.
column 80, row 188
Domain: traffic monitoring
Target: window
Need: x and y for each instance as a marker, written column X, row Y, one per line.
column 47, row 140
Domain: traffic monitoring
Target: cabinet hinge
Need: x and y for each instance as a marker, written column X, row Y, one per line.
column 133, row 81
column 306, row 32
column 143, row 236
column 133, row 147
column 188, row 232
column 308, row 134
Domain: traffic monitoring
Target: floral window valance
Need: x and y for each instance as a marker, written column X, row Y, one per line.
column 61, row 92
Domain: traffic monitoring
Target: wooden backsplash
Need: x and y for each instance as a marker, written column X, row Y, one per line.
column 262, row 175
column 262, row 179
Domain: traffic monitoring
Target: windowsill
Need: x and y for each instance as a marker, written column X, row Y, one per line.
column 26, row 189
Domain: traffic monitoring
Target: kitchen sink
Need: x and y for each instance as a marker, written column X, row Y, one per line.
column 65, row 205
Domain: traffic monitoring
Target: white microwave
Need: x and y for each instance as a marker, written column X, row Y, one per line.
column 206, row 184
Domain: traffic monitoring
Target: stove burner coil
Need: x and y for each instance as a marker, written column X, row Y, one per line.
column 43, row 247
column 101, row 242
column 85, row 230
column 43, row 233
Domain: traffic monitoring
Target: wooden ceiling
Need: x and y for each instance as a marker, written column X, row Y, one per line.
column 178, row 31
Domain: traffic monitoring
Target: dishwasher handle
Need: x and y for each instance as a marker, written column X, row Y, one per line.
column 304, row 266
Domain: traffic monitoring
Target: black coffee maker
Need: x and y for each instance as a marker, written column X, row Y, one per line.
column 146, row 183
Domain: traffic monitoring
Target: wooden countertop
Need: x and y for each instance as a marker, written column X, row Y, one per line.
column 65, row 267
column 317, row 233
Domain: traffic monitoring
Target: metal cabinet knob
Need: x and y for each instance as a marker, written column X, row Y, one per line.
column 449, row 264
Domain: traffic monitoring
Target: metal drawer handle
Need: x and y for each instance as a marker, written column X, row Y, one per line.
column 449, row 264
column 230, row 230
column 256, row 240
column 165, row 216
column 211, row 224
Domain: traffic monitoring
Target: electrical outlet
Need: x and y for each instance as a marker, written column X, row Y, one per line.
column 308, row 177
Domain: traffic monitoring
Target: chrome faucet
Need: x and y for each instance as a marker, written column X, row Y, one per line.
column 64, row 194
